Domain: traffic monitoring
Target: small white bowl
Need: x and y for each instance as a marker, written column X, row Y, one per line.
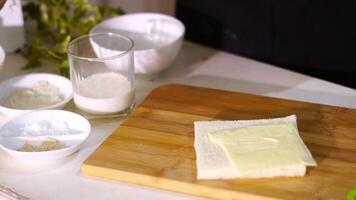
column 9, row 86
column 13, row 134
column 157, row 38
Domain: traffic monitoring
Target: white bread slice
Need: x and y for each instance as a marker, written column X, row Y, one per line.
column 212, row 162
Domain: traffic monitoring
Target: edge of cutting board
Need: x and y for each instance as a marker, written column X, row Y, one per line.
column 168, row 184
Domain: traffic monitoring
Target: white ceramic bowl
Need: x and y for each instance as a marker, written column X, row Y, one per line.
column 9, row 86
column 71, row 129
column 157, row 38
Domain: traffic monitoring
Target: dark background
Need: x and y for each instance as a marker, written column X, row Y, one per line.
column 314, row 37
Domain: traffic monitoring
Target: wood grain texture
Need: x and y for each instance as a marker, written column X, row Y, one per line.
column 154, row 146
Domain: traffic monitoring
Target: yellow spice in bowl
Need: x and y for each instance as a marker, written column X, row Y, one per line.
column 48, row 144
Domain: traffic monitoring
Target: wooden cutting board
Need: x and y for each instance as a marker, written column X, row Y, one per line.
column 154, row 146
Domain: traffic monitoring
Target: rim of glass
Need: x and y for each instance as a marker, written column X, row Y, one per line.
column 76, row 40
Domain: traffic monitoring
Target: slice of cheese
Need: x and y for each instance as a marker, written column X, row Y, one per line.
column 213, row 163
column 263, row 147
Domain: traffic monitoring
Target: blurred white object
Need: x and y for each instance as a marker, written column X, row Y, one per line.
column 11, row 85
column 8, row 194
column 157, row 38
column 2, row 57
column 12, row 35
column 13, row 137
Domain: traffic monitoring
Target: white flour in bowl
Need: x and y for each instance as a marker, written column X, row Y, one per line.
column 42, row 94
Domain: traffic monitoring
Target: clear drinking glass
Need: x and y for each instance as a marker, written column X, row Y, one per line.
column 102, row 74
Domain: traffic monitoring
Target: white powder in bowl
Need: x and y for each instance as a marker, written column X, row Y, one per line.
column 52, row 126
column 42, row 94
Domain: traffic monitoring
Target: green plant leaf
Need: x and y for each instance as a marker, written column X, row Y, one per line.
column 56, row 23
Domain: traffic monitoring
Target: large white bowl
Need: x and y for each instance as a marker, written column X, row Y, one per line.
column 75, row 132
column 9, row 86
column 157, row 38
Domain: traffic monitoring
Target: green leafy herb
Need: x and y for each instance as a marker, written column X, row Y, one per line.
column 56, row 23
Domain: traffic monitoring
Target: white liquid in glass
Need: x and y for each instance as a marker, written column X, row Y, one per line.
column 104, row 93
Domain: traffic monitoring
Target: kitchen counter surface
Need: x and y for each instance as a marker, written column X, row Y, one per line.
column 195, row 65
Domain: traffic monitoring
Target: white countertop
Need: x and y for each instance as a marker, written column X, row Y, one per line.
column 195, row 65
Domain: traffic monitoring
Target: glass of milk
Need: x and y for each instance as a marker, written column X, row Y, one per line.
column 102, row 74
